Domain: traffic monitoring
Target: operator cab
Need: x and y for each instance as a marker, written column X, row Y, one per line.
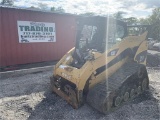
column 97, row 34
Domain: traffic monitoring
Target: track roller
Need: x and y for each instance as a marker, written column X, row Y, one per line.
column 126, row 96
column 121, row 88
column 117, row 101
column 139, row 90
column 132, row 93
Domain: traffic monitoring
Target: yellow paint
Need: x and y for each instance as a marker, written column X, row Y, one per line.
column 88, row 70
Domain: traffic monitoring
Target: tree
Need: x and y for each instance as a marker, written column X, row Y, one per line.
column 131, row 20
column 60, row 9
column 88, row 14
column 155, row 15
column 7, row 2
column 34, row 8
column 42, row 6
column 52, row 8
column 119, row 15
column 155, row 22
column 144, row 21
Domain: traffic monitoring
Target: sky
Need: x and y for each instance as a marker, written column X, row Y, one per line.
column 131, row 8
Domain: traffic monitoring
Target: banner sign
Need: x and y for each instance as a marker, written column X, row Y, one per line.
column 29, row 31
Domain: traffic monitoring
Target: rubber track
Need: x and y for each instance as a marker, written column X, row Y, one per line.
column 98, row 95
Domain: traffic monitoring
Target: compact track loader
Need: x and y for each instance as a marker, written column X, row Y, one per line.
column 106, row 68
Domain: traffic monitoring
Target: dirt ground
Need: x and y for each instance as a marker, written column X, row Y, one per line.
column 29, row 97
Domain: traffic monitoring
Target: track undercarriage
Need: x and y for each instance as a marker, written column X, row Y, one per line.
column 125, row 84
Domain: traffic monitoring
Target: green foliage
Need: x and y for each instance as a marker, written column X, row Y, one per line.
column 144, row 21
column 88, row 14
column 153, row 19
column 42, row 6
column 7, row 2
column 119, row 15
column 155, row 15
column 60, row 10
column 34, row 8
column 52, row 8
column 131, row 20
column 155, row 31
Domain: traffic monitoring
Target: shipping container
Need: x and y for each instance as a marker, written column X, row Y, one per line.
column 13, row 52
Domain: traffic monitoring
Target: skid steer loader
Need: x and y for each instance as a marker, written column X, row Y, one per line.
column 105, row 69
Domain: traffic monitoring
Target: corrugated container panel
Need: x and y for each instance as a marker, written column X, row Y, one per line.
column 3, row 40
column 0, row 37
column 12, row 52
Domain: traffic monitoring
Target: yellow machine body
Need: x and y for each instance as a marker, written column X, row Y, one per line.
column 74, row 83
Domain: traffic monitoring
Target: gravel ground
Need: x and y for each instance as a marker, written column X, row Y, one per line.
column 29, row 97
